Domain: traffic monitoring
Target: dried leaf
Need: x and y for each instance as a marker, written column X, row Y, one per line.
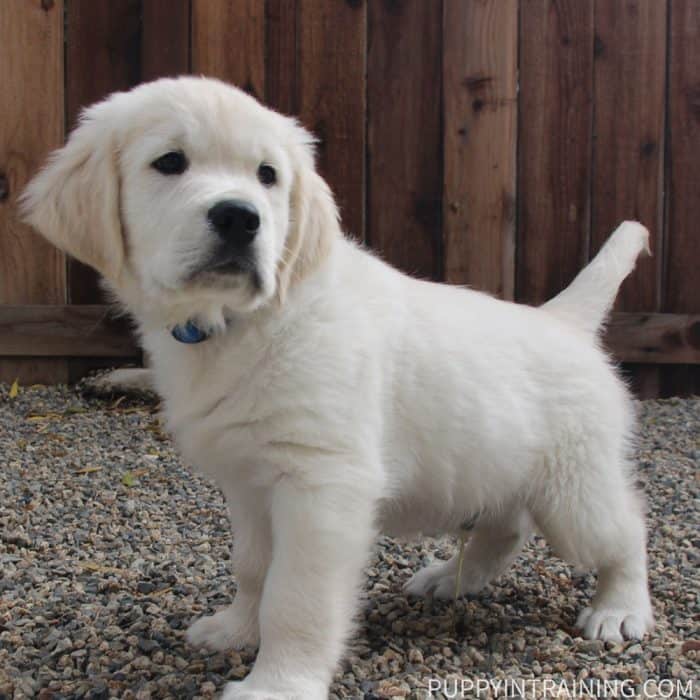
column 88, row 470
column 94, row 566
column 128, row 479
column 162, row 591
column 14, row 389
column 54, row 415
column 117, row 402
column 41, row 416
column 131, row 409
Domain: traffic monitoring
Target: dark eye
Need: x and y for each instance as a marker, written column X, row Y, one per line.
column 173, row 163
column 267, row 175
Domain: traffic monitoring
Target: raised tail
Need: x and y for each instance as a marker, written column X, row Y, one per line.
column 587, row 301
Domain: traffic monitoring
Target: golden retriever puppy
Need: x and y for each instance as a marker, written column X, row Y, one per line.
column 331, row 396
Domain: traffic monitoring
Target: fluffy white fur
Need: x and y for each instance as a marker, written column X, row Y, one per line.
column 338, row 397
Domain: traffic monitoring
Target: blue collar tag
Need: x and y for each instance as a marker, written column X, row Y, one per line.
column 189, row 333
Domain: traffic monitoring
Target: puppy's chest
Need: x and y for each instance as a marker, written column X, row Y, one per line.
column 222, row 417
column 231, row 405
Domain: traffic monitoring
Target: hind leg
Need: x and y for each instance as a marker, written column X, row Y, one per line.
column 494, row 544
column 598, row 523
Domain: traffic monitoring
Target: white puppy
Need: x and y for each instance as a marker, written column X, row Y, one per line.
column 332, row 396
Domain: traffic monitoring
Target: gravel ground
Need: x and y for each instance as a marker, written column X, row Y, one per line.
column 110, row 547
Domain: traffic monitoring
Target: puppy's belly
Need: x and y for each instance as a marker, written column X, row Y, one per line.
column 412, row 518
column 430, row 511
column 408, row 522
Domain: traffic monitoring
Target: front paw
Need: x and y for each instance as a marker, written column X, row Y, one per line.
column 227, row 629
column 251, row 689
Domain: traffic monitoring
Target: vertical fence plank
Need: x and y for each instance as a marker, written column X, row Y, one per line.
column 405, row 134
column 331, row 97
column 556, row 87
column 228, row 42
column 31, row 73
column 630, row 87
column 165, row 38
column 630, row 84
column 480, row 67
column 281, row 55
column 102, row 55
column 683, row 177
column 103, row 50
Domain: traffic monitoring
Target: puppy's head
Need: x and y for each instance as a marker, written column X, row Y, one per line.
column 187, row 194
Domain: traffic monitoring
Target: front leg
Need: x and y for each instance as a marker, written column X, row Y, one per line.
column 236, row 626
column 321, row 540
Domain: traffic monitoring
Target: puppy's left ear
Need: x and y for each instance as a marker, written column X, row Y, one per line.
column 314, row 220
column 74, row 200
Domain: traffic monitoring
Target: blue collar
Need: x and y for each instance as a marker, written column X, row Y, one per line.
column 189, row 332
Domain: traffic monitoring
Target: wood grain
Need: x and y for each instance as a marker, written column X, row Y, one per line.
column 413, row 101
column 404, row 92
column 480, row 66
column 683, row 256
column 165, row 38
column 106, row 37
column 554, row 171
column 331, row 49
column 103, row 55
column 654, row 337
column 228, row 42
column 77, row 330
column 31, row 73
column 630, row 84
column 630, row 88
column 281, row 55
column 681, row 290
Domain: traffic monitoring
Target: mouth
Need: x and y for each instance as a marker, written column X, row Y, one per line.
column 229, row 269
column 231, row 265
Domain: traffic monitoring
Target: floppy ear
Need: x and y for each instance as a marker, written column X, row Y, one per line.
column 314, row 221
column 74, row 200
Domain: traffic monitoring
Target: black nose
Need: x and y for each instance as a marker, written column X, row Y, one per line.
column 235, row 221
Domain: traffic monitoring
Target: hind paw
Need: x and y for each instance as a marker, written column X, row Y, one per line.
column 440, row 581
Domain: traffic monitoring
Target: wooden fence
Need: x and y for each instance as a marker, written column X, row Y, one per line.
column 489, row 142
